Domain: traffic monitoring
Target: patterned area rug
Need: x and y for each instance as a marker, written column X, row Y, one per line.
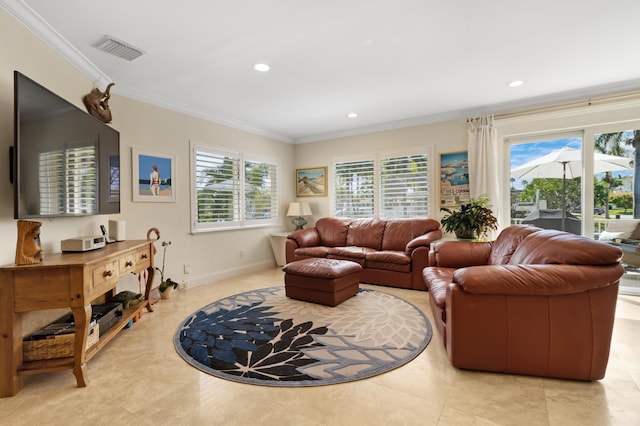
column 262, row 337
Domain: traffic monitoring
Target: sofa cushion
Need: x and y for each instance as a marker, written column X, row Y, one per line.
column 557, row 247
column 306, row 252
column 398, row 232
column 388, row 260
column 333, row 231
column 438, row 279
column 366, row 233
column 503, row 247
column 351, row 253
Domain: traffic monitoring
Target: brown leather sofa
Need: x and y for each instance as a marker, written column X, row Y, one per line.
column 535, row 302
column 391, row 252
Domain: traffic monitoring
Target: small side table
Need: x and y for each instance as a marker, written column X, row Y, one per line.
column 279, row 247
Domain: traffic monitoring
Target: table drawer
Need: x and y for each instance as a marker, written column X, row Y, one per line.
column 106, row 274
column 127, row 263
column 143, row 256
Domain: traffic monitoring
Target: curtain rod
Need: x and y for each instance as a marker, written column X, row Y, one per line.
column 595, row 100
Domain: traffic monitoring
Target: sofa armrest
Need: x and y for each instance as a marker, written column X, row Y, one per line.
column 459, row 254
column 424, row 240
column 308, row 237
column 535, row 280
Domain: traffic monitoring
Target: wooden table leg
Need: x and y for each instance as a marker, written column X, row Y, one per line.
column 10, row 341
column 147, row 291
column 81, row 318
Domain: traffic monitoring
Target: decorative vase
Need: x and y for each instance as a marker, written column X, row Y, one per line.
column 167, row 293
column 466, row 234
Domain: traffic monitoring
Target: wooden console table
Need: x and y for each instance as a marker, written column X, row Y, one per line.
column 63, row 280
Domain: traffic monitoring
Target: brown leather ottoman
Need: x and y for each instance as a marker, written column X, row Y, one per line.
column 325, row 281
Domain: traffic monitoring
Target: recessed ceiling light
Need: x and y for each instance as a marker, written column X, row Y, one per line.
column 516, row 83
column 261, row 67
column 352, row 115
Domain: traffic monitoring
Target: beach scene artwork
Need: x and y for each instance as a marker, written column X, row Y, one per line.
column 311, row 182
column 454, row 179
column 154, row 177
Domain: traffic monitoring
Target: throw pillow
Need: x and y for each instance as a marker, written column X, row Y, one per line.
column 609, row 236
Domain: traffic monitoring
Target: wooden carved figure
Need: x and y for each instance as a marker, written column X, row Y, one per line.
column 29, row 248
column 97, row 104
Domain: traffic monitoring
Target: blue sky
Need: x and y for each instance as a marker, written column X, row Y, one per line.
column 146, row 161
column 524, row 152
column 310, row 173
column 457, row 157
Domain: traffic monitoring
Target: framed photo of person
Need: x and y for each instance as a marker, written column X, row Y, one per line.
column 153, row 176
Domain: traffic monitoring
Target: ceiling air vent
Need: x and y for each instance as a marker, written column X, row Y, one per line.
column 118, row 48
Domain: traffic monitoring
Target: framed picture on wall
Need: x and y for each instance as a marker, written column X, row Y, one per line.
column 153, row 176
column 454, row 179
column 311, row 182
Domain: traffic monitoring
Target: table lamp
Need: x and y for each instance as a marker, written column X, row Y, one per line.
column 297, row 210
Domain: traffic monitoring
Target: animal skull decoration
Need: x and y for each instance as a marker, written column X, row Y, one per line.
column 97, row 103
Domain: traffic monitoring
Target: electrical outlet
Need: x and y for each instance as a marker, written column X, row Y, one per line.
column 241, row 254
column 182, row 285
column 187, row 268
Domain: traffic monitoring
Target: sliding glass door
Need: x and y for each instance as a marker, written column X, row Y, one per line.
column 545, row 184
column 617, row 202
column 548, row 180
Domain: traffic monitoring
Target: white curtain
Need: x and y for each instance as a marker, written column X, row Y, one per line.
column 485, row 162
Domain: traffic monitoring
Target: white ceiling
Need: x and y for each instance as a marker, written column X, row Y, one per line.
column 394, row 62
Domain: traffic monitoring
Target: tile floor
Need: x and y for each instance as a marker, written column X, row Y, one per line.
column 139, row 379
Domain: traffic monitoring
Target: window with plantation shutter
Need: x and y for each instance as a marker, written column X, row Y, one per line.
column 353, row 188
column 81, row 180
column 260, row 190
column 51, row 182
column 229, row 191
column 383, row 185
column 68, row 180
column 404, row 186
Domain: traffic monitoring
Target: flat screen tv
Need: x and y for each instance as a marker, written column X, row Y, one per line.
column 65, row 161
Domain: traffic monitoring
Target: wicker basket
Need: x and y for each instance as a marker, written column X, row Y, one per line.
column 56, row 346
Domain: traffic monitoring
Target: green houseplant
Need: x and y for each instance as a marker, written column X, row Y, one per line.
column 471, row 220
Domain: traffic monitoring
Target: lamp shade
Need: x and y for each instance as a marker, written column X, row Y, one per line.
column 299, row 209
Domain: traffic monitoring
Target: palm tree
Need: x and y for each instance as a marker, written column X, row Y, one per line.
column 635, row 143
column 612, row 144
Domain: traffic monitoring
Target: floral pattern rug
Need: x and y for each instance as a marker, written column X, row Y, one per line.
column 262, row 337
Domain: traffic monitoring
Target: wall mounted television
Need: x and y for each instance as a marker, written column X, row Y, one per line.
column 65, row 162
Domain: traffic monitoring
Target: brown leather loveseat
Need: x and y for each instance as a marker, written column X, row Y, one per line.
column 536, row 302
column 391, row 252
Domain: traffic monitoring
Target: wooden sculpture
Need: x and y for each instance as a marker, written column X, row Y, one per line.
column 29, row 248
column 157, row 232
column 97, row 104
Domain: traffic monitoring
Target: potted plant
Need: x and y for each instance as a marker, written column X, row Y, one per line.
column 472, row 220
column 166, row 286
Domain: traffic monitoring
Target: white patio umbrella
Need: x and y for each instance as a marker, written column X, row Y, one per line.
column 566, row 163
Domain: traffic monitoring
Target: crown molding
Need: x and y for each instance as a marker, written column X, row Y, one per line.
column 38, row 26
column 604, row 97
column 171, row 105
column 24, row 14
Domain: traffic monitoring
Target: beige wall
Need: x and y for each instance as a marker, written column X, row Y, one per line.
column 215, row 254
column 446, row 137
column 210, row 255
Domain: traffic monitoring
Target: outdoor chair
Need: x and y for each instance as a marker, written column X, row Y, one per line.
column 624, row 233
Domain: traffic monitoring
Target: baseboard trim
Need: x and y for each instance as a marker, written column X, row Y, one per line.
column 228, row 273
